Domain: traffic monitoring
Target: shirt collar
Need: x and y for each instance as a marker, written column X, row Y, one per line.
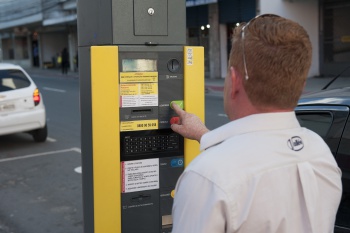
column 251, row 123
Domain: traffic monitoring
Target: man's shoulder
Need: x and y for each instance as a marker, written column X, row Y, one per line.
column 247, row 154
column 219, row 161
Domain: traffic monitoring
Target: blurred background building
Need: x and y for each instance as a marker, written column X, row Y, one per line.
column 34, row 32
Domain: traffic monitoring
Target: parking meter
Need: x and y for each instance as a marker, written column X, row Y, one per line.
column 133, row 65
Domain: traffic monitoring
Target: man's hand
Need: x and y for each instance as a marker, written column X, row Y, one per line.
column 190, row 125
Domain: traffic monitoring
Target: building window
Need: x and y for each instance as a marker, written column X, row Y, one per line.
column 336, row 32
column 21, row 48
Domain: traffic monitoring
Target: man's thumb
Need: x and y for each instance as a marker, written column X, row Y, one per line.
column 176, row 128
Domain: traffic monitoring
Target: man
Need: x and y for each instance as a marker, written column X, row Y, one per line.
column 262, row 172
column 65, row 61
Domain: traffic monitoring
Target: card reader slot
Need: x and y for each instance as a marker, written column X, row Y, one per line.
column 141, row 111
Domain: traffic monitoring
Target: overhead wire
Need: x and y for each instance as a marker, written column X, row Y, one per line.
column 14, row 10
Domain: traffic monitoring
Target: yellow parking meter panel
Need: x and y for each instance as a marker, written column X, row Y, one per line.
column 106, row 148
column 194, row 91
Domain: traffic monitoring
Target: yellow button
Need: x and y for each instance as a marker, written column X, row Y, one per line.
column 172, row 193
column 180, row 103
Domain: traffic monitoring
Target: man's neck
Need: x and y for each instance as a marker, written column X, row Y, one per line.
column 251, row 111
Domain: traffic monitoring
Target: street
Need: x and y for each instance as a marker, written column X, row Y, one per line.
column 40, row 183
column 40, row 187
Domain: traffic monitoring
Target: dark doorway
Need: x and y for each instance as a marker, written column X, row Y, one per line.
column 335, row 36
column 35, row 52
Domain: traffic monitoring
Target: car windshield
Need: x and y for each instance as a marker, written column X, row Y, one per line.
column 12, row 80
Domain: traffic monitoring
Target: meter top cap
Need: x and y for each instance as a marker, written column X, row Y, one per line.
column 132, row 22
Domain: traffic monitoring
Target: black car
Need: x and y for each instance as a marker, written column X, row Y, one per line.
column 327, row 113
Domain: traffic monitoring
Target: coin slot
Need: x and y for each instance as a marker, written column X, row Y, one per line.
column 173, row 65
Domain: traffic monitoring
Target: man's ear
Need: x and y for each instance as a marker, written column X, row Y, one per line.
column 235, row 80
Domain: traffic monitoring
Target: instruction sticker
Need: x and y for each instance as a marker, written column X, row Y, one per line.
column 138, row 77
column 140, row 175
column 189, row 55
column 138, row 125
column 138, row 94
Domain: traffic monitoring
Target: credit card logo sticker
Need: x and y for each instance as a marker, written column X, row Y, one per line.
column 177, row 163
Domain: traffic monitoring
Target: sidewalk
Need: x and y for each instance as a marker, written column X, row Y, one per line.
column 212, row 86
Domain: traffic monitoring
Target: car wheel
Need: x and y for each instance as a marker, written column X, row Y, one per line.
column 40, row 135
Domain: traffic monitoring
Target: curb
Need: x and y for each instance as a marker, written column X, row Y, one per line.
column 55, row 73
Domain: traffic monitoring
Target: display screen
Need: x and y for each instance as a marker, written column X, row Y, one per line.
column 139, row 65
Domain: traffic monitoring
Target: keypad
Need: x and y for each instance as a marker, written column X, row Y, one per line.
column 154, row 143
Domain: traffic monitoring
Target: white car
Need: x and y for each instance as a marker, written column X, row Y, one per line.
column 21, row 105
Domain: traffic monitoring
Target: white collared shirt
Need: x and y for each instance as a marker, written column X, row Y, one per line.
column 259, row 174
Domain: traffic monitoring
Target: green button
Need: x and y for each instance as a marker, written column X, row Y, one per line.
column 180, row 103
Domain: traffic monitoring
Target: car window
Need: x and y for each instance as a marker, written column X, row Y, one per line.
column 343, row 160
column 320, row 122
column 317, row 122
column 12, row 80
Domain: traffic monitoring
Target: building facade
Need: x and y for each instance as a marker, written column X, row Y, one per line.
column 34, row 32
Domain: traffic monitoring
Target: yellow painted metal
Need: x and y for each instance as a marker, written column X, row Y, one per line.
column 106, row 143
column 345, row 39
column 194, row 93
column 138, row 125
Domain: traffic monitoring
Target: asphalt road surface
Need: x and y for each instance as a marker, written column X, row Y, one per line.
column 40, row 183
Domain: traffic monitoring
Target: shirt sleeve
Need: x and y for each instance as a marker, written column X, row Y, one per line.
column 199, row 205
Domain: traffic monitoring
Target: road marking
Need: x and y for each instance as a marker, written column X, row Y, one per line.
column 76, row 149
column 222, row 115
column 40, row 154
column 78, row 170
column 51, row 139
column 54, row 89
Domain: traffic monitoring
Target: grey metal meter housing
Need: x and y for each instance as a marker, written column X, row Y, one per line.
column 132, row 22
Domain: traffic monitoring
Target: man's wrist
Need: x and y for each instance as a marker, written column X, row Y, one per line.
column 202, row 133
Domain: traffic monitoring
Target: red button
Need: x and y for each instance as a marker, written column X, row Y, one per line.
column 175, row 120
